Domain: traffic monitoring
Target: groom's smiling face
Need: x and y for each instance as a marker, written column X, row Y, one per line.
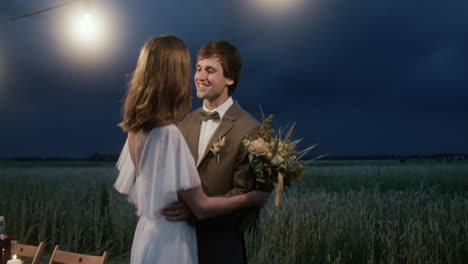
column 210, row 81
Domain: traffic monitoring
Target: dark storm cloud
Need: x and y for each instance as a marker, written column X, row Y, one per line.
column 365, row 77
column 373, row 51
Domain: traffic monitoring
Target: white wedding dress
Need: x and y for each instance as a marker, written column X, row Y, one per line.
column 166, row 166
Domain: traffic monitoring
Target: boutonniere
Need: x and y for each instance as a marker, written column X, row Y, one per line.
column 216, row 148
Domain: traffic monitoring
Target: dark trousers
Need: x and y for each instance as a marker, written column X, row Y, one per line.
column 221, row 244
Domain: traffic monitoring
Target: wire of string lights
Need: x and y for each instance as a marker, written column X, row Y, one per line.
column 40, row 11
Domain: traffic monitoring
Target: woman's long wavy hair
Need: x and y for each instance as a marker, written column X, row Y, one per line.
column 159, row 92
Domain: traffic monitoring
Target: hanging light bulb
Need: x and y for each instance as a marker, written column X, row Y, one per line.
column 86, row 27
column 85, row 32
column 278, row 7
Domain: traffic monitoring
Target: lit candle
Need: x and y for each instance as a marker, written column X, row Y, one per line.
column 15, row 260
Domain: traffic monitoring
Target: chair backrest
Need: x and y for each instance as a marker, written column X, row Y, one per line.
column 28, row 251
column 60, row 256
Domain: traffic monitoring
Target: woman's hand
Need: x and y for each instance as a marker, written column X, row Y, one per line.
column 257, row 198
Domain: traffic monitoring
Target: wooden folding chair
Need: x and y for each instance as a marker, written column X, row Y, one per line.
column 28, row 251
column 59, row 256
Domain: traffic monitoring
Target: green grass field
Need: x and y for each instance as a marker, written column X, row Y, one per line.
column 344, row 212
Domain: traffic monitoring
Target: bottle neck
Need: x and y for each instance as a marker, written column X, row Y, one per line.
column 2, row 226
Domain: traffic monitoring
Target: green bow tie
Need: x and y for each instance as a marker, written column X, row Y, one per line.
column 205, row 115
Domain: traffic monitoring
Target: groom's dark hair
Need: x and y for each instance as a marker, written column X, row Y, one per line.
column 229, row 56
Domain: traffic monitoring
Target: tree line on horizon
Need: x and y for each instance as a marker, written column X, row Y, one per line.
column 113, row 157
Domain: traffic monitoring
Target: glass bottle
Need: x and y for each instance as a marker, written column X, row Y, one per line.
column 5, row 243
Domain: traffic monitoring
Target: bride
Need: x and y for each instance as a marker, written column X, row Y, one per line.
column 156, row 167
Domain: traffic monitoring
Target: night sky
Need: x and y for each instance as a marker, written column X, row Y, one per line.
column 358, row 77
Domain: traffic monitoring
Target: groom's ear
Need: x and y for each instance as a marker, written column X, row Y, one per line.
column 229, row 81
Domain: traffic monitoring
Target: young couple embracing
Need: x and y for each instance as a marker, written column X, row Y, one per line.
column 188, row 174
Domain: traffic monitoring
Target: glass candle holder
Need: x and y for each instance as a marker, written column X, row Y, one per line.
column 14, row 245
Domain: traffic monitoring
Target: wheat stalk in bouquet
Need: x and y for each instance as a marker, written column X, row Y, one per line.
column 274, row 159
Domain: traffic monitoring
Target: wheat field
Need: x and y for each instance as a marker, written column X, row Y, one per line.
column 344, row 212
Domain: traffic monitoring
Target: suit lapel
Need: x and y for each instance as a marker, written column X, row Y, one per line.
column 193, row 134
column 227, row 123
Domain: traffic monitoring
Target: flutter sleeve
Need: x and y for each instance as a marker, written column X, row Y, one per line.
column 166, row 167
column 126, row 179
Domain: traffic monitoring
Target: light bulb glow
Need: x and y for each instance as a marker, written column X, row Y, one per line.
column 277, row 6
column 87, row 29
column 86, row 36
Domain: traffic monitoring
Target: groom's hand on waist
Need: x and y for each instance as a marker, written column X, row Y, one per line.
column 177, row 211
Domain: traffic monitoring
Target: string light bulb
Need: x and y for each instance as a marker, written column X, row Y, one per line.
column 86, row 27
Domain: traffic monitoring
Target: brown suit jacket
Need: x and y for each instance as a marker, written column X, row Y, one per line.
column 220, row 239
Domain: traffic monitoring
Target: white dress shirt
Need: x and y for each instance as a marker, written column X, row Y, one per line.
column 208, row 127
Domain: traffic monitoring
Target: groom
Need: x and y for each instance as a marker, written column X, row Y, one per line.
column 225, row 172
